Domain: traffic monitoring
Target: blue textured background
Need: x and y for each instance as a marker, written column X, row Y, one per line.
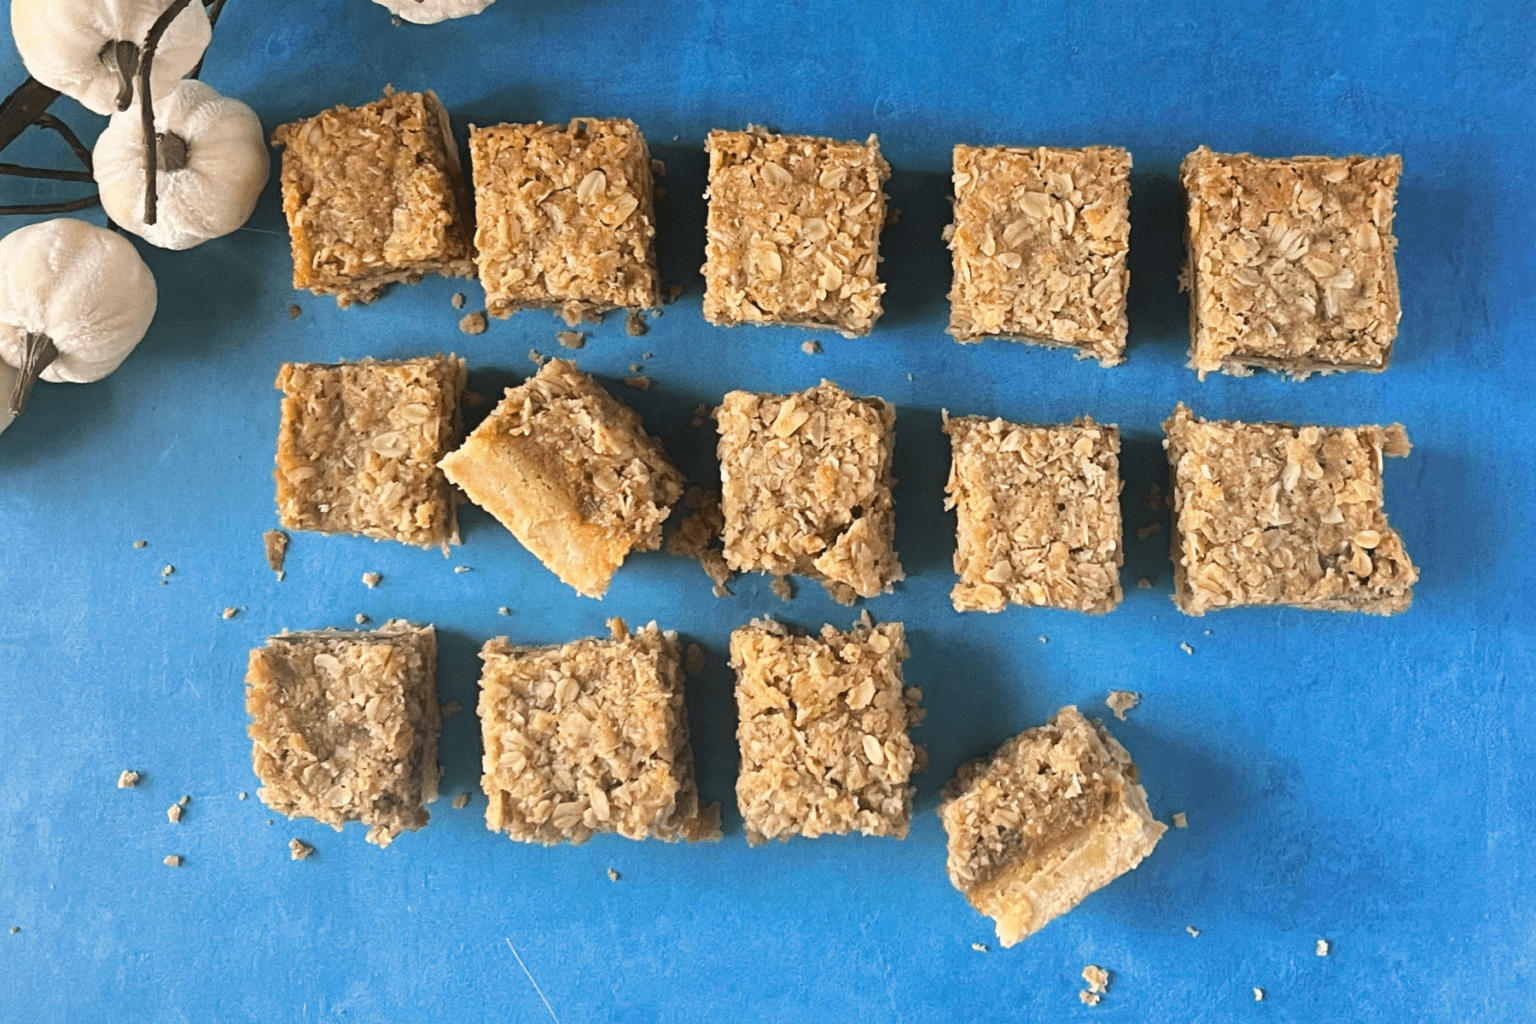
column 1352, row 778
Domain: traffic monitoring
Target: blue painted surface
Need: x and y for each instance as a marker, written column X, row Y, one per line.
column 1351, row 778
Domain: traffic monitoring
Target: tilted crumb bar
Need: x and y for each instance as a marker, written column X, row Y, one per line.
column 823, row 731
column 373, row 195
column 793, row 234
column 1052, row 815
column 1270, row 513
column 565, row 217
column 344, row 726
column 1040, row 240
column 1039, row 514
column 572, row 473
column 1290, row 263
column 588, row 737
column 358, row 446
column 806, row 487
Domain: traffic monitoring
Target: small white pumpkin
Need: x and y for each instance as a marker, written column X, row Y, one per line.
column 74, row 301
column 212, row 159
column 73, row 46
column 430, row 12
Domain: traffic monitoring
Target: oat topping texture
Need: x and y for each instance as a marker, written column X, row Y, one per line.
column 587, row 737
column 358, row 446
column 806, row 487
column 1290, row 263
column 822, row 729
column 1052, row 815
column 344, row 726
column 564, row 217
column 572, row 473
column 373, row 195
column 1039, row 241
column 793, row 233
column 1039, row 514
column 1270, row 513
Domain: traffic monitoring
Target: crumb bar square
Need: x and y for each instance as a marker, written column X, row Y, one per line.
column 1290, row 263
column 572, row 473
column 1039, row 514
column 806, row 487
column 823, row 731
column 1270, row 513
column 358, row 446
column 373, row 195
column 565, row 217
column 793, row 234
column 587, row 737
column 344, row 726
column 1049, row 817
column 1040, row 241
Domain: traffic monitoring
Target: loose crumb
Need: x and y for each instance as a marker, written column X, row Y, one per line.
column 811, row 347
column 457, row 302
column 892, row 215
column 909, row 376
column 641, row 383
column 571, row 339
column 980, row 947
column 173, row 813
column 1045, row 639
column 1144, row 583
column 1089, row 998
column 1186, row 648
column 15, row 928
column 782, row 588
column 449, row 709
column 184, row 801
column 167, row 570
column 1121, row 701
column 1207, row 632
column 298, row 849
column 1155, row 497
column 141, row 544
column 359, row 618
column 700, row 414
column 458, row 802
column 1322, row 947
column 1258, row 994
column 230, row 613
column 635, row 368
column 128, row 779
column 613, row 876
column 1149, row 530
column 461, row 569
column 1194, row 932
column 695, row 660
column 372, row 579
column 673, row 291
column 1096, row 977
column 1179, row 820
column 503, row 610
column 172, row 861
column 472, row 323
column 634, row 324
column 294, row 311
column 536, row 357
column 276, row 544
column 243, row 794
column 647, row 355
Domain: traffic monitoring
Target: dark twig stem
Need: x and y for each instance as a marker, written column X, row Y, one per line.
column 49, row 173
column 147, row 101
column 22, row 108
column 69, row 207
column 52, row 123
column 37, row 354
column 215, row 7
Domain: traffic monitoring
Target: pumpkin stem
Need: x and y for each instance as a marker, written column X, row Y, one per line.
column 173, row 152
column 147, row 102
column 37, row 354
column 122, row 57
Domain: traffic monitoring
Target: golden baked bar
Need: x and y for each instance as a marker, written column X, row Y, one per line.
column 564, row 217
column 1269, row 513
column 1290, row 263
column 793, row 234
column 806, row 487
column 1052, row 815
column 358, row 446
column 572, row 473
column 822, row 728
column 1039, row 514
column 588, row 737
column 344, row 726
column 1039, row 241
column 373, row 195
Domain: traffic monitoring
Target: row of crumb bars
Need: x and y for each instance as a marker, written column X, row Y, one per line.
column 592, row 736
column 1290, row 262
column 1264, row 513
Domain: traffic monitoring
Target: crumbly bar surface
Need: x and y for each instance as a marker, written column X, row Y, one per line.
column 1270, row 513
column 823, row 731
column 373, row 195
column 358, row 446
column 590, row 737
column 1290, row 262
column 1052, row 815
column 1039, row 514
column 572, row 473
column 806, row 487
column 793, row 234
column 1039, row 242
column 565, row 216
column 344, row 726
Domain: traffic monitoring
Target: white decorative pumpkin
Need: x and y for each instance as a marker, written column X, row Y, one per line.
column 74, row 301
column 213, row 164
column 430, row 12
column 72, row 46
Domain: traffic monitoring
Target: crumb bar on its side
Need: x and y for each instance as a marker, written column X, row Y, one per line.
column 572, row 473
column 565, row 217
column 1290, row 263
column 1040, row 241
column 1052, row 815
column 1039, row 514
column 823, row 731
column 1270, row 513
column 587, row 737
column 358, row 447
column 793, row 233
column 806, row 487
column 344, row 726
column 373, row 195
